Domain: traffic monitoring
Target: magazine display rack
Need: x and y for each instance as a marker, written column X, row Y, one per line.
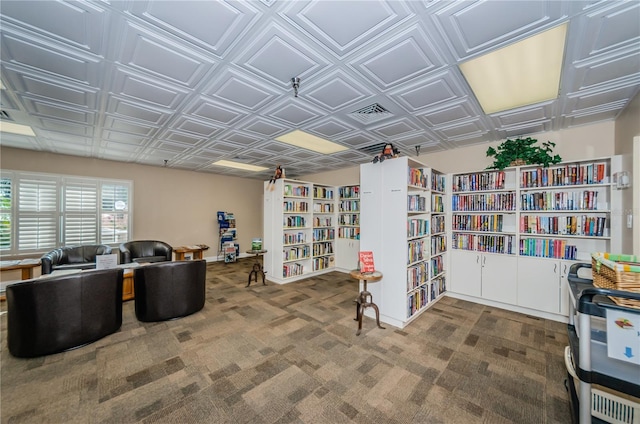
column 227, row 236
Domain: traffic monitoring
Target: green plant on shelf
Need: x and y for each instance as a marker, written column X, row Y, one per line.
column 522, row 151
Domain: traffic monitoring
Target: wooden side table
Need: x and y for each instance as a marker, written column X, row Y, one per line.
column 257, row 266
column 364, row 299
column 25, row 266
column 196, row 250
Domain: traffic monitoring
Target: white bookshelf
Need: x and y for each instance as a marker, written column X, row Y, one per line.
column 516, row 254
column 395, row 223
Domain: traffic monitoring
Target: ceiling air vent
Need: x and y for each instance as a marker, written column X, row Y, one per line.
column 371, row 113
column 372, row 149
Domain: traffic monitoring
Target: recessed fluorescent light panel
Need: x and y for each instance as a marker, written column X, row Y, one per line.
column 10, row 127
column 524, row 73
column 310, row 142
column 238, row 165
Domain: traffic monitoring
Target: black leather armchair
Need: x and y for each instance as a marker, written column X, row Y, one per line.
column 144, row 251
column 57, row 313
column 73, row 257
column 169, row 290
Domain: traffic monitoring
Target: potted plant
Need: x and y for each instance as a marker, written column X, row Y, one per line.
column 521, row 151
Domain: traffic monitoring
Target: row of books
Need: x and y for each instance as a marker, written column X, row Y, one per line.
column 477, row 222
column 295, row 253
column 582, row 225
column 322, row 263
column 417, row 177
column 437, row 203
column 349, row 206
column 438, row 244
column 438, row 224
column 417, row 300
column 349, row 219
column 322, row 221
column 492, row 180
column 417, row 227
column 417, row 250
column 349, row 233
column 594, row 173
column 322, row 249
column 484, row 202
column 547, row 248
column 438, row 286
column 295, row 206
column 438, row 182
column 324, row 234
column 297, row 191
column 416, row 203
column 349, row 192
column 322, row 193
column 293, row 238
column 559, row 201
column 417, row 275
column 291, row 270
column 294, row 221
column 323, row 207
column 484, row 243
column 437, row 265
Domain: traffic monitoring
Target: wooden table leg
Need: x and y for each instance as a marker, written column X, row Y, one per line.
column 27, row 273
column 197, row 254
column 179, row 256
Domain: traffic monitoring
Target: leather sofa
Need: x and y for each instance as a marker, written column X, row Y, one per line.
column 73, row 257
column 144, row 251
column 169, row 290
column 56, row 313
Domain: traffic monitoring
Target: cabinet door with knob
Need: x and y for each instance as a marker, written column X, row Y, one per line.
column 498, row 277
column 540, row 284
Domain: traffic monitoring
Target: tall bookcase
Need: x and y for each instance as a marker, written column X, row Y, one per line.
column 348, row 242
column 288, row 230
column 532, row 223
column 398, row 205
column 303, row 222
column 324, row 232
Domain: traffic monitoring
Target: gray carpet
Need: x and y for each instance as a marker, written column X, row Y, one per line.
column 289, row 354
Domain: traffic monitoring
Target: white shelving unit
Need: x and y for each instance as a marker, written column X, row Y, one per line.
column 288, row 227
column 532, row 223
column 324, row 231
column 348, row 242
column 395, row 221
column 301, row 226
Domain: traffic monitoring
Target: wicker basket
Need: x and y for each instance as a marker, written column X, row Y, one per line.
column 617, row 272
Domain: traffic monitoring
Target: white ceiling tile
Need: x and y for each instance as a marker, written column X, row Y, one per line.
column 212, row 25
column 78, row 24
column 161, row 56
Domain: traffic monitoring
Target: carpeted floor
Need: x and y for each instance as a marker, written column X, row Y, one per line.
column 289, row 353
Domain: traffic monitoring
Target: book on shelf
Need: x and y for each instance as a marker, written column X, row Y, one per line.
column 365, row 261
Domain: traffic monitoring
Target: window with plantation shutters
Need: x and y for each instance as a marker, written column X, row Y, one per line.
column 115, row 213
column 39, row 212
column 80, row 213
column 5, row 213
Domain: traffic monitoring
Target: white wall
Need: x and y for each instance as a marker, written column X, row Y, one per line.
column 585, row 142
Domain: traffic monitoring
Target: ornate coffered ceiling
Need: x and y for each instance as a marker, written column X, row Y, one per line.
column 191, row 82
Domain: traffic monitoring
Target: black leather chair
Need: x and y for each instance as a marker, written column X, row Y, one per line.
column 73, row 257
column 144, row 251
column 57, row 313
column 169, row 290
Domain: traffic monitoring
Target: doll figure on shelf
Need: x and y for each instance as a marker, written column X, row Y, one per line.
column 388, row 152
column 279, row 173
